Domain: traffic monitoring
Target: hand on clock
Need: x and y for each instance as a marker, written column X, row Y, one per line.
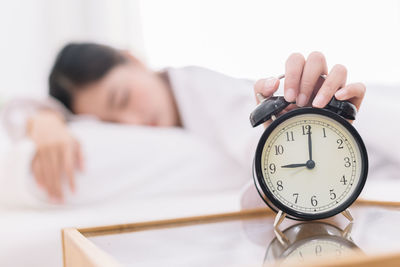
column 304, row 85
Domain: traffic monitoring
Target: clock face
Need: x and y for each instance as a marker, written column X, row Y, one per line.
column 311, row 163
column 323, row 247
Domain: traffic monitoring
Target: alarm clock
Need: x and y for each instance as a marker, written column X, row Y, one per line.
column 310, row 163
column 307, row 241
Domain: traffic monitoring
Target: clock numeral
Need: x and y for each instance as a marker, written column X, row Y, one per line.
column 272, row 168
column 278, row 149
column 314, row 201
column 332, row 194
column 296, row 195
column 306, row 129
column 347, row 162
column 323, row 130
column 279, row 185
column 318, row 250
column 343, row 180
column 289, row 136
column 340, row 143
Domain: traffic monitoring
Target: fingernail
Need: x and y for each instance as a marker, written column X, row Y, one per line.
column 340, row 93
column 318, row 101
column 290, row 95
column 270, row 83
column 301, row 100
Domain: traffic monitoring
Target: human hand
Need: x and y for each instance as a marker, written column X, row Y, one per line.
column 305, row 86
column 57, row 156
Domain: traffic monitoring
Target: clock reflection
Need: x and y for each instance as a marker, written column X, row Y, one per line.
column 308, row 241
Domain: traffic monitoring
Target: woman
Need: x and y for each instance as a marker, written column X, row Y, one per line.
column 114, row 86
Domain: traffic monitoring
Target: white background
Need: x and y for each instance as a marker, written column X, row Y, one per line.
column 248, row 39
column 253, row 38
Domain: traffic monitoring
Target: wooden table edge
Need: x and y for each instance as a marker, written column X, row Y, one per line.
column 76, row 245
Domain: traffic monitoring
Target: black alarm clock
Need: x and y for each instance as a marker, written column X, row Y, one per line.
column 310, row 163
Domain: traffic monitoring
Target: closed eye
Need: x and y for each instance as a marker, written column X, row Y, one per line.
column 112, row 97
column 124, row 99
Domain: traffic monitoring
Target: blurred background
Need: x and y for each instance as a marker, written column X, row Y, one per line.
column 250, row 39
column 241, row 38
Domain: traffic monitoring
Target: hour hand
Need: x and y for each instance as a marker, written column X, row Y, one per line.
column 294, row 165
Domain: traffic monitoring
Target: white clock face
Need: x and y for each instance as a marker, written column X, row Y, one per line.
column 318, row 248
column 311, row 163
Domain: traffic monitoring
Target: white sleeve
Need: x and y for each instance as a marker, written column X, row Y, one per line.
column 16, row 113
column 379, row 129
column 217, row 107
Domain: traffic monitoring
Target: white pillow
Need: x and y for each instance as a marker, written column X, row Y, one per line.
column 139, row 161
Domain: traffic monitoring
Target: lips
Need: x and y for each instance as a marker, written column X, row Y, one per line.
column 153, row 122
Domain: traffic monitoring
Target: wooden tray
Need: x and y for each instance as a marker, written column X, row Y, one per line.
column 223, row 239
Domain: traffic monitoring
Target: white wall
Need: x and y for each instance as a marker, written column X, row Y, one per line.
column 246, row 38
column 253, row 38
column 33, row 31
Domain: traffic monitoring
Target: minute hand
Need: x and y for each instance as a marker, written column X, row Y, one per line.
column 294, row 165
column 309, row 144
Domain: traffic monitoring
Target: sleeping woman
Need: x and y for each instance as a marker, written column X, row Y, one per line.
column 103, row 83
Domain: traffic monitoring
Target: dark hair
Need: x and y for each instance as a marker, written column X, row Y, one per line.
column 79, row 64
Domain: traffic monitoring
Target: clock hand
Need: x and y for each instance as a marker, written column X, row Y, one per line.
column 309, row 144
column 310, row 163
column 294, row 165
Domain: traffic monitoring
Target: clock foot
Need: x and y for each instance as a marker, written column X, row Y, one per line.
column 279, row 219
column 278, row 233
column 347, row 231
column 346, row 213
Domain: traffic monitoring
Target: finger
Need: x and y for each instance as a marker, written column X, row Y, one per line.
column 54, row 170
column 353, row 92
column 313, row 68
column 47, row 182
column 266, row 87
column 334, row 81
column 79, row 156
column 68, row 166
column 293, row 71
column 37, row 173
column 49, row 178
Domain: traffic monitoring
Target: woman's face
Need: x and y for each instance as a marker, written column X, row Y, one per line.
column 131, row 94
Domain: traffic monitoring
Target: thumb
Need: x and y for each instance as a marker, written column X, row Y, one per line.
column 266, row 87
